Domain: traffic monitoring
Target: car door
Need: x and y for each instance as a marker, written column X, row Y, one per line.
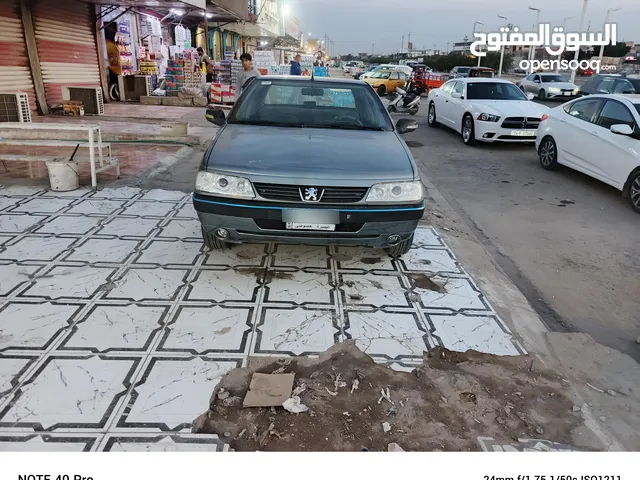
column 402, row 80
column 576, row 133
column 393, row 81
column 617, row 155
column 443, row 111
column 456, row 106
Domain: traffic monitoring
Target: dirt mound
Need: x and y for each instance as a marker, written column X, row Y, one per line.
column 446, row 404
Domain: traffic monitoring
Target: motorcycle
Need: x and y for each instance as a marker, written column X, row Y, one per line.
column 403, row 102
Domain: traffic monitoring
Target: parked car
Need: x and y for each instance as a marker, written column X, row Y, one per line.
column 386, row 81
column 481, row 72
column 485, row 110
column 586, row 72
column 347, row 66
column 459, row 72
column 259, row 188
column 389, row 67
column 599, row 136
column 613, row 83
column 549, row 85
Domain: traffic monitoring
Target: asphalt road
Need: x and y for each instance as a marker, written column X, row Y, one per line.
column 570, row 243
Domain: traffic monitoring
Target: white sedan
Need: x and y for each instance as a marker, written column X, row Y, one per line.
column 598, row 135
column 485, row 110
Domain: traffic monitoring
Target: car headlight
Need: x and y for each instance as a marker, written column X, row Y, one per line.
column 395, row 192
column 576, row 90
column 554, row 89
column 224, row 185
column 488, row 117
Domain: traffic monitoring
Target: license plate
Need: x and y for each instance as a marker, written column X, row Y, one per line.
column 567, row 94
column 326, row 227
column 523, row 133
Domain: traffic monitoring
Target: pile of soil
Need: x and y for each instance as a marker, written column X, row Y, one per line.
column 443, row 405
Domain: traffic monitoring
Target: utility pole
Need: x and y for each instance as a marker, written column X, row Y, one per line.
column 373, row 48
column 408, row 41
column 448, row 47
column 402, row 44
column 577, row 54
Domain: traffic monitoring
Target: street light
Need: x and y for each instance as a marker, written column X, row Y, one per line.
column 606, row 20
column 577, row 55
column 502, row 49
column 473, row 35
column 532, row 51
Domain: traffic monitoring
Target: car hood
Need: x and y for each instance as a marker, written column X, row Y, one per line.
column 303, row 155
column 562, row 85
column 509, row 108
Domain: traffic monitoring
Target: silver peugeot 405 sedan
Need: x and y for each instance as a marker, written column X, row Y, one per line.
column 311, row 161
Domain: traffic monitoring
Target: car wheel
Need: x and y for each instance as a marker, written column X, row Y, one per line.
column 548, row 154
column 541, row 94
column 468, row 131
column 634, row 190
column 382, row 90
column 213, row 242
column 431, row 117
column 401, row 248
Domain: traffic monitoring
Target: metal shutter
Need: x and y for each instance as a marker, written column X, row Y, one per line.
column 15, row 72
column 66, row 46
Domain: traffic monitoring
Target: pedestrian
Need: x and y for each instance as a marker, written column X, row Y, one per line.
column 206, row 60
column 247, row 73
column 295, row 69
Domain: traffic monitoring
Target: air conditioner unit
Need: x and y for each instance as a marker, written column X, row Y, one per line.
column 91, row 97
column 14, row 107
column 132, row 87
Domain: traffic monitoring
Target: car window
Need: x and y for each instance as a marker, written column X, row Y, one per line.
column 530, row 78
column 635, row 82
column 494, row 91
column 584, row 109
column 637, row 105
column 553, row 79
column 394, row 76
column 615, row 113
column 402, row 76
column 606, row 85
column 447, row 87
column 458, row 88
column 305, row 104
column 536, row 77
column 623, row 86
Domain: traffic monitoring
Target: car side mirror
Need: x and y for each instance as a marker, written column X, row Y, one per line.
column 622, row 129
column 536, row 81
column 216, row 116
column 406, row 125
column 456, row 95
column 530, row 96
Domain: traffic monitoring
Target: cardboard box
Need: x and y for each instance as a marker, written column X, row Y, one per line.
column 73, row 107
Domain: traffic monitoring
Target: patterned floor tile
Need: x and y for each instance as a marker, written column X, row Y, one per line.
column 455, row 294
column 185, row 442
column 75, row 225
column 173, row 392
column 375, row 290
column 46, row 442
column 19, row 190
column 11, row 372
column 35, row 248
column 132, row 227
column 149, row 209
column 168, row 253
column 18, row 223
column 300, row 256
column 245, row 255
column 427, row 237
column 96, row 207
column 483, row 334
column 203, row 330
column 98, row 250
column 358, row 258
column 164, row 195
column 187, row 211
column 69, row 392
column 69, row 282
column 296, row 331
column 226, row 285
column 116, row 328
column 430, row 260
column 393, row 336
column 300, row 288
column 140, row 284
column 43, row 205
column 13, row 275
column 26, row 326
column 124, row 193
column 183, row 229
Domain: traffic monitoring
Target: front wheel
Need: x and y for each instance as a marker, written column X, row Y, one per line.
column 468, row 131
column 213, row 242
column 548, row 154
column 401, row 248
column 542, row 94
column 634, row 191
column 382, row 89
column 431, row 117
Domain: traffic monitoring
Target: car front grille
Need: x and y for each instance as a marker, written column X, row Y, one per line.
column 521, row 123
column 291, row 193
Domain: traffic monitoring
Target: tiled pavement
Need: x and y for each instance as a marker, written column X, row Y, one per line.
column 116, row 323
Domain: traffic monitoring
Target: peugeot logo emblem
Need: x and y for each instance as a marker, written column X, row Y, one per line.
column 311, row 194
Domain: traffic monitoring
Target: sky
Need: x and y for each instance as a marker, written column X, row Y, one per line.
column 365, row 25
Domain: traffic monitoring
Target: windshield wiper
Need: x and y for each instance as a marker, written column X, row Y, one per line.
column 266, row 124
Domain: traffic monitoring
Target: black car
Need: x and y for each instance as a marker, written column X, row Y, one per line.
column 608, row 84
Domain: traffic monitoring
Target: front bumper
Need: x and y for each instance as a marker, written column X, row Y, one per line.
column 492, row 132
column 259, row 221
column 561, row 95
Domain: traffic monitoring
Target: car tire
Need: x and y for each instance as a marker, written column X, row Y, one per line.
column 382, row 90
column 212, row 242
column 542, row 94
column 633, row 190
column 468, row 130
column 400, row 249
column 432, row 120
column 548, row 154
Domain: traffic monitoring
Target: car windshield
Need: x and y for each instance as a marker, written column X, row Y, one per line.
column 309, row 104
column 463, row 69
column 637, row 105
column 381, row 74
column 494, row 91
column 553, row 79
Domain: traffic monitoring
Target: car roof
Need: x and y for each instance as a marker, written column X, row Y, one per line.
column 294, row 78
column 482, row 80
column 548, row 73
column 633, row 98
